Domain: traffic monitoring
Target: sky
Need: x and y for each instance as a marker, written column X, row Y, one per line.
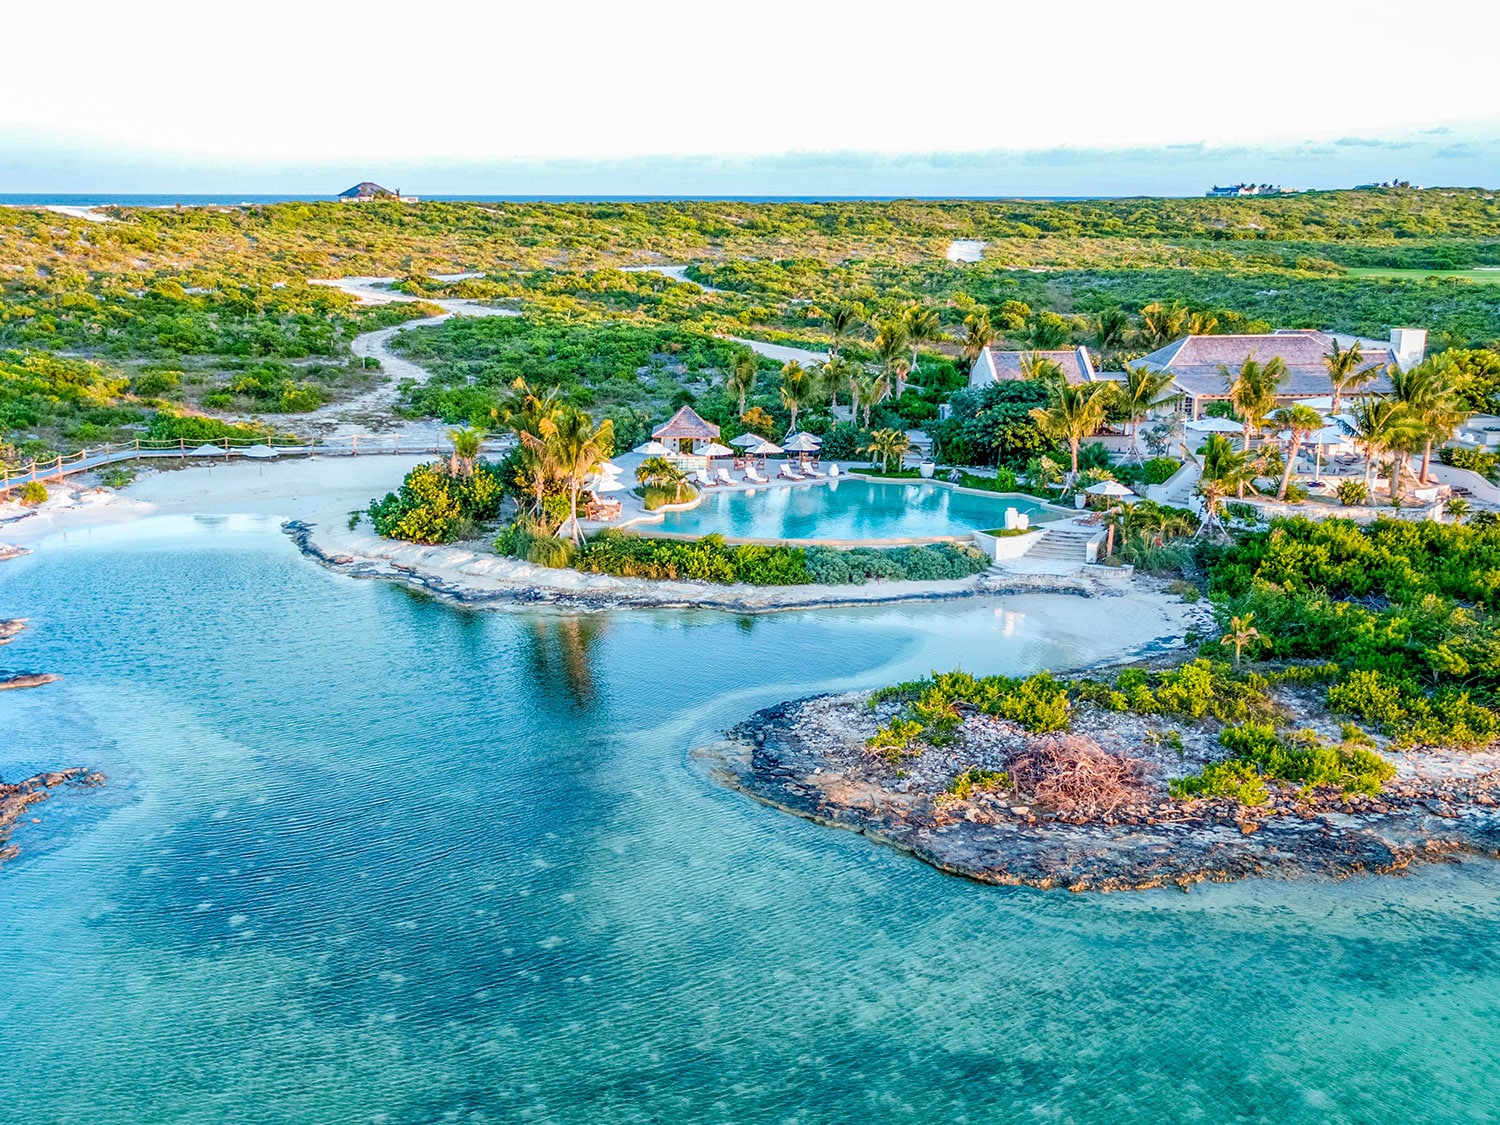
column 1068, row 97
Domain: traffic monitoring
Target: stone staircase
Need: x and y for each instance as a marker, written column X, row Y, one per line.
column 1061, row 549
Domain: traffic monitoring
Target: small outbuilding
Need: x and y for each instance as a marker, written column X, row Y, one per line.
column 686, row 427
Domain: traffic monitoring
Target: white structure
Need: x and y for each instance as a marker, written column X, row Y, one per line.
column 1410, row 346
column 998, row 367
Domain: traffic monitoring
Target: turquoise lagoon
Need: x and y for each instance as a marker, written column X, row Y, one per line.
column 364, row 858
column 850, row 509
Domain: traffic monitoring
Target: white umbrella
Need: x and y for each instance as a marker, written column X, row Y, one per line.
column 765, row 449
column 714, row 449
column 1109, row 488
column 206, row 450
column 1328, row 435
column 260, row 451
column 608, row 484
column 745, row 441
column 803, row 443
column 653, row 448
column 610, row 469
column 1215, row 426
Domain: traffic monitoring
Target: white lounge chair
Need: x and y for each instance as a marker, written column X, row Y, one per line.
column 814, row 472
column 723, row 477
column 789, row 473
column 702, row 479
column 752, row 474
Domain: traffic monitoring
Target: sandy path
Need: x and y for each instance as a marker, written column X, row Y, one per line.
column 373, row 409
column 676, row 273
column 782, row 353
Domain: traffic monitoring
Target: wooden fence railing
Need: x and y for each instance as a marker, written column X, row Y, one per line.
column 97, row 457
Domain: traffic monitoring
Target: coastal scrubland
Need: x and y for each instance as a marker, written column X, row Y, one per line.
column 209, row 309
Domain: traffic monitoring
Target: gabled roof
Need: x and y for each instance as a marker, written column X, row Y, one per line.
column 997, row 367
column 1196, row 362
column 364, row 187
column 686, row 423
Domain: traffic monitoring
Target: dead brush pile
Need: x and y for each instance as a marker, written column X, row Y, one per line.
column 1074, row 774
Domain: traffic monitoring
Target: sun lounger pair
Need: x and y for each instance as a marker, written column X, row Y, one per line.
column 702, row 479
column 723, row 477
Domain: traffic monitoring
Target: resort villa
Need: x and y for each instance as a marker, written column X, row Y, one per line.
column 368, row 192
column 1198, row 364
column 994, row 366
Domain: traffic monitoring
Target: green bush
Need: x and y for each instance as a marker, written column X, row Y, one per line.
column 434, row 506
column 1352, row 492
column 1482, row 461
column 977, row 780
column 32, row 493
column 548, row 550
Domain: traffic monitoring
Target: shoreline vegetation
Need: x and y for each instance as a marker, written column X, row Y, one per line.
column 1363, row 742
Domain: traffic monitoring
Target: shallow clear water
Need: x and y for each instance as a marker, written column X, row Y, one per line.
column 366, row 858
column 850, row 509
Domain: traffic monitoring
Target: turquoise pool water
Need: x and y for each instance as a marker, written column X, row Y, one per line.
column 367, row 859
column 849, row 509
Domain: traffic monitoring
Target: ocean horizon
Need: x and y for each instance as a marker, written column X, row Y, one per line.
column 167, row 199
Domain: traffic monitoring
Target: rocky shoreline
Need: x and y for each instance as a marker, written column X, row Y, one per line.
column 809, row 758
column 16, row 799
column 530, row 585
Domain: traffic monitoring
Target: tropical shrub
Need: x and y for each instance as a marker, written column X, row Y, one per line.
column 435, row 506
column 32, row 493
column 1352, row 492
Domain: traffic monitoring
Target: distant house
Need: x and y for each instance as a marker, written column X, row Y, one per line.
column 1000, row 367
column 1233, row 190
column 367, row 192
column 1197, row 364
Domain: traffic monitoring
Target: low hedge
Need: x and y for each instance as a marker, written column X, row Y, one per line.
column 710, row 559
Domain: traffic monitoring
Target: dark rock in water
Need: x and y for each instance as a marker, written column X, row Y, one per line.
column 808, row 758
column 28, row 679
column 16, row 799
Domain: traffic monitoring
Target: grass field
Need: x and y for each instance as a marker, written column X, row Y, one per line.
column 1489, row 276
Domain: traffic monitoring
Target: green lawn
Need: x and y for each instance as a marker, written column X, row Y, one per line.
column 1482, row 276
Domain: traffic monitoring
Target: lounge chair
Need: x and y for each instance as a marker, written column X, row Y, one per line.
column 702, row 479
column 789, row 473
column 752, row 476
column 814, row 472
column 723, row 477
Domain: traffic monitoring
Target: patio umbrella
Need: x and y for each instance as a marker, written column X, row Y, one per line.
column 803, row 443
column 609, row 469
column 714, row 449
column 608, row 484
column 1214, row 426
column 653, row 448
column 261, row 451
column 1109, row 488
column 765, row 449
column 745, row 441
column 206, row 450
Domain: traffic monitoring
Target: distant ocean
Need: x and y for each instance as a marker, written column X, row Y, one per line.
column 100, row 199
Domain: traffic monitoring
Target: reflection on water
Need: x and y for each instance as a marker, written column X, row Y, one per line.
column 373, row 859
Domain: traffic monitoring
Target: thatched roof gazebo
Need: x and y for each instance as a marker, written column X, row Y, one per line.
column 686, row 427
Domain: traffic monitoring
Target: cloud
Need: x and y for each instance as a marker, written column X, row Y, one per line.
column 1464, row 151
column 1437, row 131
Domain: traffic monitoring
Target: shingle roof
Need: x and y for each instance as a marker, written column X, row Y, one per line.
column 365, row 187
column 996, row 366
column 1195, row 362
column 686, row 423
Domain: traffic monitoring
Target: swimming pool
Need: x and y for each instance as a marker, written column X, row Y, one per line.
column 850, row 509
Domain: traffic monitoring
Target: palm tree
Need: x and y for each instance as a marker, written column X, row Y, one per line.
column 1162, row 323
column 796, row 389
column 1041, row 369
column 658, row 472
column 923, row 326
column 1301, row 420
column 869, row 388
column 1344, row 371
column 1202, row 323
column 577, row 446
column 978, row 332
column 1430, row 395
column 1458, row 508
column 1111, row 329
column 1242, row 632
column 466, row 446
column 742, row 374
column 1253, row 391
column 1075, row 413
column 1379, row 425
column 890, row 346
column 1225, row 471
column 1141, row 392
column 843, row 317
column 837, row 373
column 526, row 412
column 888, row 445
